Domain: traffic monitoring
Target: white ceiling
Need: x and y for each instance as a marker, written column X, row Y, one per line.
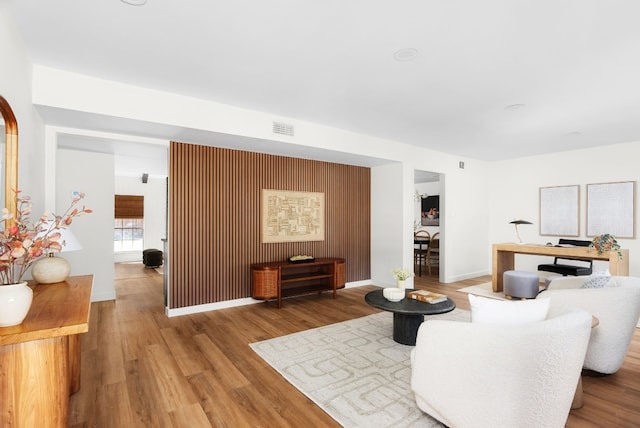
column 572, row 66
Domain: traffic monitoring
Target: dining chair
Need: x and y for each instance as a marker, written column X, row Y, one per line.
column 420, row 248
column 433, row 252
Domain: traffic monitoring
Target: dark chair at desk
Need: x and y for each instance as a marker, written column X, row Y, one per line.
column 564, row 269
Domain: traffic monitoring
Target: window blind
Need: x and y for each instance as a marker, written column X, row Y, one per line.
column 129, row 206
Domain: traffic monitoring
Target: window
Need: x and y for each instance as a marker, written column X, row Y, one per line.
column 128, row 232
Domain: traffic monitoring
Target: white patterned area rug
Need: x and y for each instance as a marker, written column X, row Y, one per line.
column 485, row 290
column 353, row 370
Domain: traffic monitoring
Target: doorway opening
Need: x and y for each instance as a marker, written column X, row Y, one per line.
column 428, row 216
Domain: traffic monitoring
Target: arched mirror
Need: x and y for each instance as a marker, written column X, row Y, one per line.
column 10, row 161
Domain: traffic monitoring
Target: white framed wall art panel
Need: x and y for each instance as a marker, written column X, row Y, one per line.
column 611, row 208
column 560, row 211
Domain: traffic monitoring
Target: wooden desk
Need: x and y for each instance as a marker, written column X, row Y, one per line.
column 40, row 358
column 504, row 258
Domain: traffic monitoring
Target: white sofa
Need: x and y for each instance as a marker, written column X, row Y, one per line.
column 478, row 375
column 617, row 308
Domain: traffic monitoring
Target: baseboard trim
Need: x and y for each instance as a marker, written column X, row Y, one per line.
column 101, row 297
column 234, row 303
column 355, row 284
column 210, row 307
column 466, row 276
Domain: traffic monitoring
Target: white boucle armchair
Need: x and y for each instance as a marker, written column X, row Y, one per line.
column 617, row 308
column 477, row 375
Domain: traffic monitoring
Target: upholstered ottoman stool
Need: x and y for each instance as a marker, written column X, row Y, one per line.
column 520, row 284
column 152, row 258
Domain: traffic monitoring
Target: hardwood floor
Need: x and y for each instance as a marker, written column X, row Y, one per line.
column 142, row 369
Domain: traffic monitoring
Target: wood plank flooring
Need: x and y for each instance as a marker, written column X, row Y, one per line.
column 142, row 369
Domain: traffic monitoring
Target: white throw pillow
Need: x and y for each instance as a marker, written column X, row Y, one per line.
column 600, row 279
column 505, row 312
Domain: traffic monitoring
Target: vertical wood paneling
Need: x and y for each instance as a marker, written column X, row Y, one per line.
column 214, row 224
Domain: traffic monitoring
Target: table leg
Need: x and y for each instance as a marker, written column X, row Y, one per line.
column 502, row 261
column 405, row 327
column 619, row 266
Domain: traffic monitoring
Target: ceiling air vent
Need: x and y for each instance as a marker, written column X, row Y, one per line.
column 283, row 128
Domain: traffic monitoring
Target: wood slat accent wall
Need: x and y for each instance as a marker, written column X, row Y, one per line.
column 214, row 218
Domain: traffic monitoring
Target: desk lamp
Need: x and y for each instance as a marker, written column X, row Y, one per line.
column 516, row 223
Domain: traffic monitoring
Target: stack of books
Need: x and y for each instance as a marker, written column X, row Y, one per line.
column 427, row 296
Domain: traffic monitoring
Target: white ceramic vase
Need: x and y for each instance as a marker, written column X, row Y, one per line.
column 50, row 269
column 15, row 301
column 401, row 284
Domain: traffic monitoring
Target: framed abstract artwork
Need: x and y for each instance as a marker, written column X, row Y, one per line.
column 560, row 211
column 291, row 216
column 611, row 208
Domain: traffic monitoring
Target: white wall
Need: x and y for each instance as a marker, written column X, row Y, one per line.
column 515, row 188
column 463, row 223
column 155, row 201
column 92, row 174
column 387, row 234
column 15, row 87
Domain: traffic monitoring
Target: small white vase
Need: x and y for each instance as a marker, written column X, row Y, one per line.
column 15, row 301
column 401, row 284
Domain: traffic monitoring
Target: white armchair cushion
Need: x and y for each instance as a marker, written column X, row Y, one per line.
column 505, row 312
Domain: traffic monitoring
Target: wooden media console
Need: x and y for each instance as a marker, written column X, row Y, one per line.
column 284, row 279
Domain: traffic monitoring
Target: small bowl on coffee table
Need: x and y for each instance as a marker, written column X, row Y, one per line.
column 393, row 294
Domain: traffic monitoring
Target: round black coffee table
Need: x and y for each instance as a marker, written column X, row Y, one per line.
column 408, row 313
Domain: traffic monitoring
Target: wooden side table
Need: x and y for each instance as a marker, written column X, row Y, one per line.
column 40, row 358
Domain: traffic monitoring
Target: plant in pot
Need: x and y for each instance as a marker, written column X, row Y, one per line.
column 401, row 276
column 22, row 243
column 605, row 243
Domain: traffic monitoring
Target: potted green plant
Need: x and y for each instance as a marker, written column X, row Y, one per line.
column 605, row 243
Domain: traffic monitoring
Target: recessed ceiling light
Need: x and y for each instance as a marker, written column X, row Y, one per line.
column 405, row 54
column 573, row 134
column 135, row 2
column 514, row 107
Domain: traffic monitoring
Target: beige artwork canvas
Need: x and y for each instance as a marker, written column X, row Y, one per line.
column 292, row 216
